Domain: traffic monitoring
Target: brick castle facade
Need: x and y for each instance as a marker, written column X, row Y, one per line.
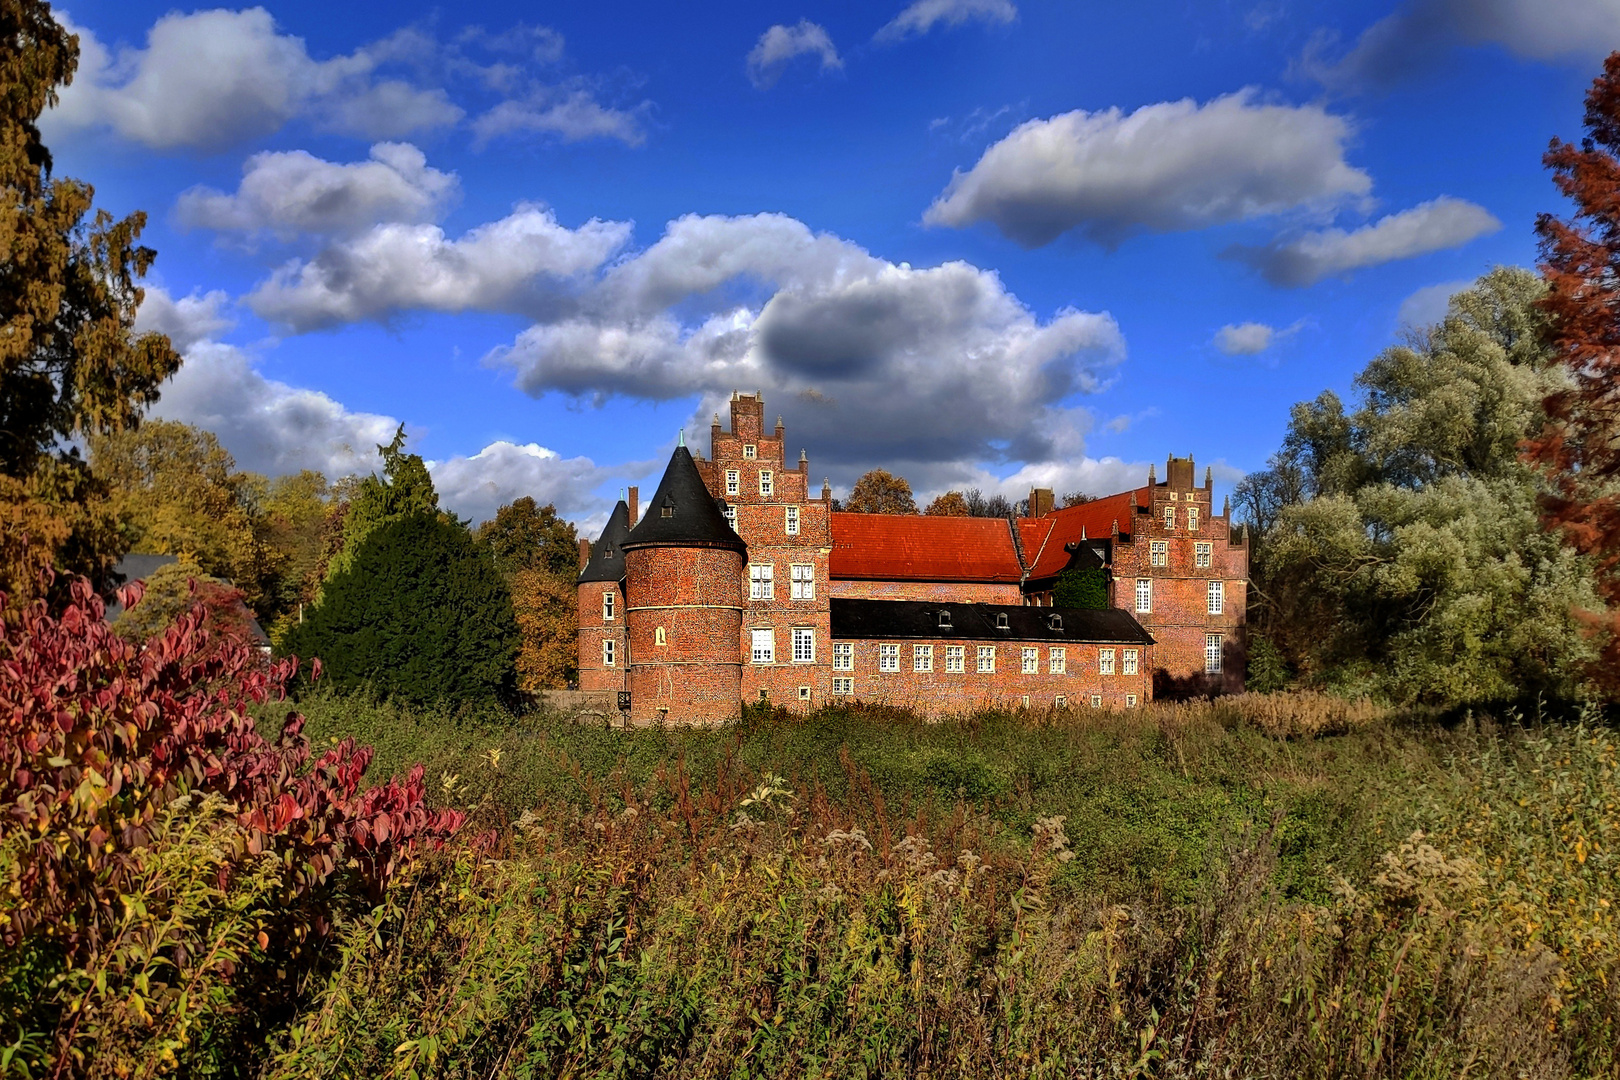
column 739, row 585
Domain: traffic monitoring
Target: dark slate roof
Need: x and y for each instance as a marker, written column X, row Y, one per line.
column 134, row 567
column 867, row 619
column 682, row 513
column 607, row 557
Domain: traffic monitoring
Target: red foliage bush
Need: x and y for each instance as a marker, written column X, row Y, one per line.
column 98, row 735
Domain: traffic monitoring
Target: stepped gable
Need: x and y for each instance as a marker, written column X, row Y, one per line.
column 682, row 513
column 914, row 547
column 607, row 554
column 854, row 619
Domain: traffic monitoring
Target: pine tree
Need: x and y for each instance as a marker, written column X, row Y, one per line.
column 418, row 613
column 1580, row 445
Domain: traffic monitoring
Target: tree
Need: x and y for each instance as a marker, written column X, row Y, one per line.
column 546, row 607
column 523, row 534
column 417, row 613
column 1413, row 563
column 174, row 589
column 1579, row 447
column 1076, row 498
column 950, row 504
column 880, row 492
column 300, row 525
column 1081, row 588
column 70, row 363
column 404, row 489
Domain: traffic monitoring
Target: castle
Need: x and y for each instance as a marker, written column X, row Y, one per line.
column 737, row 585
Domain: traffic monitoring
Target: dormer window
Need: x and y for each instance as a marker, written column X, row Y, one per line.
column 1001, row 620
column 1054, row 622
column 944, row 620
column 668, row 507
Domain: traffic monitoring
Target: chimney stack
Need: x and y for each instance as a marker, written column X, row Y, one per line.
column 635, row 506
column 584, row 552
column 1041, row 502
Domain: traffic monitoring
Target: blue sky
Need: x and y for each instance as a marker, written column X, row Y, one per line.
column 979, row 242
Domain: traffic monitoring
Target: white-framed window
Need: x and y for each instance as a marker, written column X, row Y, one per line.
column 1062, row 702
column 804, row 693
column 608, row 657
column 607, row 607
column 764, row 651
column 767, row 482
column 1130, row 661
column 1030, row 662
column 731, row 517
column 792, row 523
column 1212, row 654
column 1144, row 594
column 1217, row 597
column 843, row 656
column 954, row 662
column 922, row 658
column 843, row 686
column 750, row 452
column 1192, row 519
column 804, row 645
column 1159, row 550
column 733, row 482
column 804, row 581
column 1201, row 553
column 1096, row 701
column 1057, row 660
column 762, row 581
column 1169, row 517
column 987, row 659
column 1130, row 701
column 888, row 658
column 1105, row 661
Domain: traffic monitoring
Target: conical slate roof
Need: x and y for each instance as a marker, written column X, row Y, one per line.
column 607, row 554
column 682, row 512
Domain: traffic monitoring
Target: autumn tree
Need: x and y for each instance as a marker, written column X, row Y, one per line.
column 70, row 363
column 174, row 589
column 950, row 504
column 1075, row 498
column 524, row 534
column 880, row 492
column 1579, row 447
column 538, row 553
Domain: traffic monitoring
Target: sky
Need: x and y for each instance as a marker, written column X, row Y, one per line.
column 980, row 243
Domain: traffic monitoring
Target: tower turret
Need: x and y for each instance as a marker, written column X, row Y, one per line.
column 683, row 579
column 602, row 659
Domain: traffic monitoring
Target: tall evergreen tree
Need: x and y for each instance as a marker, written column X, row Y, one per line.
column 417, row 613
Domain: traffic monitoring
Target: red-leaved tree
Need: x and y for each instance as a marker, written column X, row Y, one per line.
column 1580, row 446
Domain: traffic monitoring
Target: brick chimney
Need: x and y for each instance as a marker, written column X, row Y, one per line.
column 584, row 552
column 1041, row 502
column 635, row 504
column 1178, row 473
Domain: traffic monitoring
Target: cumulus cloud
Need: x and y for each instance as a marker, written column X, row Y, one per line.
column 1429, row 305
column 1167, row 167
column 188, row 320
column 292, row 192
column 1431, row 226
column 1244, row 339
column 1405, row 43
column 781, row 44
column 211, row 79
column 570, row 114
column 506, row 265
column 476, row 486
column 923, row 15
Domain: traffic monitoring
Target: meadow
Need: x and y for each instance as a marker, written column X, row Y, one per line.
column 1284, row 885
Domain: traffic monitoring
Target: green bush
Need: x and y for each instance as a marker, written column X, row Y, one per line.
column 1078, row 588
column 418, row 614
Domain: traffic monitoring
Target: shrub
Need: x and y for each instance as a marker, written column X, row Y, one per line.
column 417, row 612
column 1081, row 588
column 164, row 869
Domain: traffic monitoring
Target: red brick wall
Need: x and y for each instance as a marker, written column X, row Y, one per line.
column 949, row 592
column 693, row 595
column 941, row 692
column 593, row 629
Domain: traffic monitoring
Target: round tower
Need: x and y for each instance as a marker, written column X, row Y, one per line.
column 683, row 578
column 603, row 661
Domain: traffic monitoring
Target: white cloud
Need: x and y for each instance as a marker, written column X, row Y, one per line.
column 571, row 114
column 1429, row 305
column 1431, row 226
column 268, row 426
column 506, row 265
column 1166, row 167
column 1244, row 339
column 475, row 487
column 291, row 192
column 188, row 320
column 780, row 44
column 214, row 78
column 1406, row 43
column 923, row 15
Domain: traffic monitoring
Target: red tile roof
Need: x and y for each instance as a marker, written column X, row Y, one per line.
column 895, row 547
column 1092, row 519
